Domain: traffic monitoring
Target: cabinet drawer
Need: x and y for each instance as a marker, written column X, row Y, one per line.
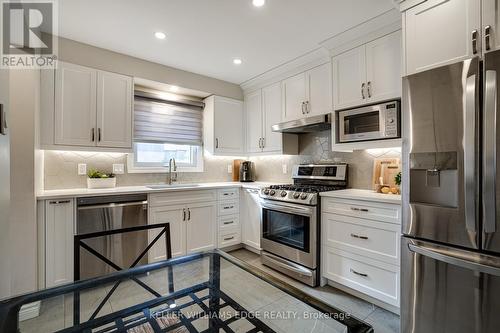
column 229, row 238
column 364, row 209
column 229, row 194
column 229, row 222
column 229, row 208
column 181, row 197
column 376, row 279
column 376, row 240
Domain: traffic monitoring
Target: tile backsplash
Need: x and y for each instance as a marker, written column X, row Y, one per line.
column 60, row 167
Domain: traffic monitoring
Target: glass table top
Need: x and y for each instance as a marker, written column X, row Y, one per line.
column 207, row 292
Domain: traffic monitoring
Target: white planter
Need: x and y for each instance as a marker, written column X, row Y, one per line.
column 101, row 182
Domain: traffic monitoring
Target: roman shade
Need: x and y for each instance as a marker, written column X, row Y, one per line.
column 163, row 121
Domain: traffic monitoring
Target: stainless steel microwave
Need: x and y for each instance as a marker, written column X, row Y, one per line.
column 373, row 122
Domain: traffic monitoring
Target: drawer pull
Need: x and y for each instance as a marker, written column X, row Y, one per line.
column 358, row 273
column 359, row 209
column 230, row 222
column 358, row 236
column 228, row 238
column 228, row 207
column 59, row 202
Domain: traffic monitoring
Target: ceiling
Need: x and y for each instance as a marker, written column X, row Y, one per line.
column 203, row 36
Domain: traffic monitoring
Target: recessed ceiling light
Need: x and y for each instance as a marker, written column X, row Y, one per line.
column 237, row 61
column 174, row 88
column 258, row 3
column 160, row 35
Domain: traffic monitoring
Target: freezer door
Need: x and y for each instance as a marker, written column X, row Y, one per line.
column 448, row 290
column 491, row 195
column 440, row 160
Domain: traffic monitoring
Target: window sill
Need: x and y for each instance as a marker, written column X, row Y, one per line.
column 133, row 169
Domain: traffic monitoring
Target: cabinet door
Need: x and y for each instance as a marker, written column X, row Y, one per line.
column 319, row 89
column 294, row 95
column 175, row 216
column 439, row 32
column 253, row 117
column 228, row 123
column 271, row 101
column 349, row 78
column 383, row 67
column 75, row 105
column 251, row 212
column 491, row 18
column 114, row 110
column 59, row 224
column 201, row 227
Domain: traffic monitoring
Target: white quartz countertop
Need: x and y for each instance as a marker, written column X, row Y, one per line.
column 366, row 195
column 85, row 192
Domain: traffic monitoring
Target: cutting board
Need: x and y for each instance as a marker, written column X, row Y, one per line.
column 385, row 169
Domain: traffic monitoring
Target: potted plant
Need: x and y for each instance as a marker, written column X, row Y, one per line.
column 397, row 181
column 99, row 179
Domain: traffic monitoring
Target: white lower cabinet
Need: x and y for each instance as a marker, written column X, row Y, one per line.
column 229, row 218
column 58, row 235
column 360, row 246
column 174, row 216
column 201, row 227
column 251, row 217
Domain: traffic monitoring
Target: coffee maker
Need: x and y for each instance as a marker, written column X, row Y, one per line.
column 247, row 171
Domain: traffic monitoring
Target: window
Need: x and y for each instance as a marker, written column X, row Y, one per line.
column 165, row 130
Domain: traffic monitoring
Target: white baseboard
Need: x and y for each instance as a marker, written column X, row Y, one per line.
column 30, row 311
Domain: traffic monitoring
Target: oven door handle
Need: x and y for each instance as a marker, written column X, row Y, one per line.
column 305, row 211
column 295, row 268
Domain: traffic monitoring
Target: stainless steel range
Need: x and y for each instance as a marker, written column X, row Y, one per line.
column 290, row 237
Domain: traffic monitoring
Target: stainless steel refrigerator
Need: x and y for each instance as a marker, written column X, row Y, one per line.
column 450, row 249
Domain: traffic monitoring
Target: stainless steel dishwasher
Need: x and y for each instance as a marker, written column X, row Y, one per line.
column 95, row 214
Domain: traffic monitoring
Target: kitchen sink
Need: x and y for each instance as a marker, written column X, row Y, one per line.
column 160, row 186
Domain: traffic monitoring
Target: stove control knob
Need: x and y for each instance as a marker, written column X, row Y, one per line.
column 303, row 196
column 296, row 195
column 266, row 191
column 283, row 194
column 272, row 192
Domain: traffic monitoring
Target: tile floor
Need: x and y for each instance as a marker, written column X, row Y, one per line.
column 382, row 321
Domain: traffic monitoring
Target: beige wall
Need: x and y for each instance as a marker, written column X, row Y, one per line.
column 87, row 55
column 24, row 99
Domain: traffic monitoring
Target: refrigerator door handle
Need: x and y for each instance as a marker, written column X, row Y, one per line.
column 490, row 152
column 469, row 153
column 460, row 258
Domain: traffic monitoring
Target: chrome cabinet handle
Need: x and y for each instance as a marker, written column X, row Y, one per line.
column 92, row 134
column 490, row 152
column 358, row 273
column 363, row 90
column 308, row 107
column 358, row 236
column 216, row 143
column 303, row 104
column 263, row 143
column 184, row 214
column 229, row 222
column 487, row 37
column 189, row 214
column 99, row 135
column 59, row 202
column 369, row 89
column 359, row 209
column 228, row 207
column 474, row 41
column 229, row 238
column 469, row 153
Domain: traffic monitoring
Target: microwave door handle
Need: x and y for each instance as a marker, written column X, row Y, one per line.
column 490, row 152
column 469, row 154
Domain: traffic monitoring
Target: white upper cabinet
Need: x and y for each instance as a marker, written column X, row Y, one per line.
column 368, row 73
column 114, row 110
column 349, row 78
column 271, row 113
column 75, row 105
column 253, row 121
column 223, row 126
column 441, row 32
column 491, row 25
column 383, row 67
column 319, row 90
column 90, row 108
column 294, row 97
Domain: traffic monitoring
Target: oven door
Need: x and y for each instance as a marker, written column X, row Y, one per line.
column 290, row 231
column 367, row 123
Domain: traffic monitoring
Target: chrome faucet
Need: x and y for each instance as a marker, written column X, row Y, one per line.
column 172, row 174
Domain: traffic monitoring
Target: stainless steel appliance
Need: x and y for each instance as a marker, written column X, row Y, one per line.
column 290, row 237
column 451, row 240
column 373, row 122
column 96, row 214
column 304, row 125
column 247, row 171
column 5, row 272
